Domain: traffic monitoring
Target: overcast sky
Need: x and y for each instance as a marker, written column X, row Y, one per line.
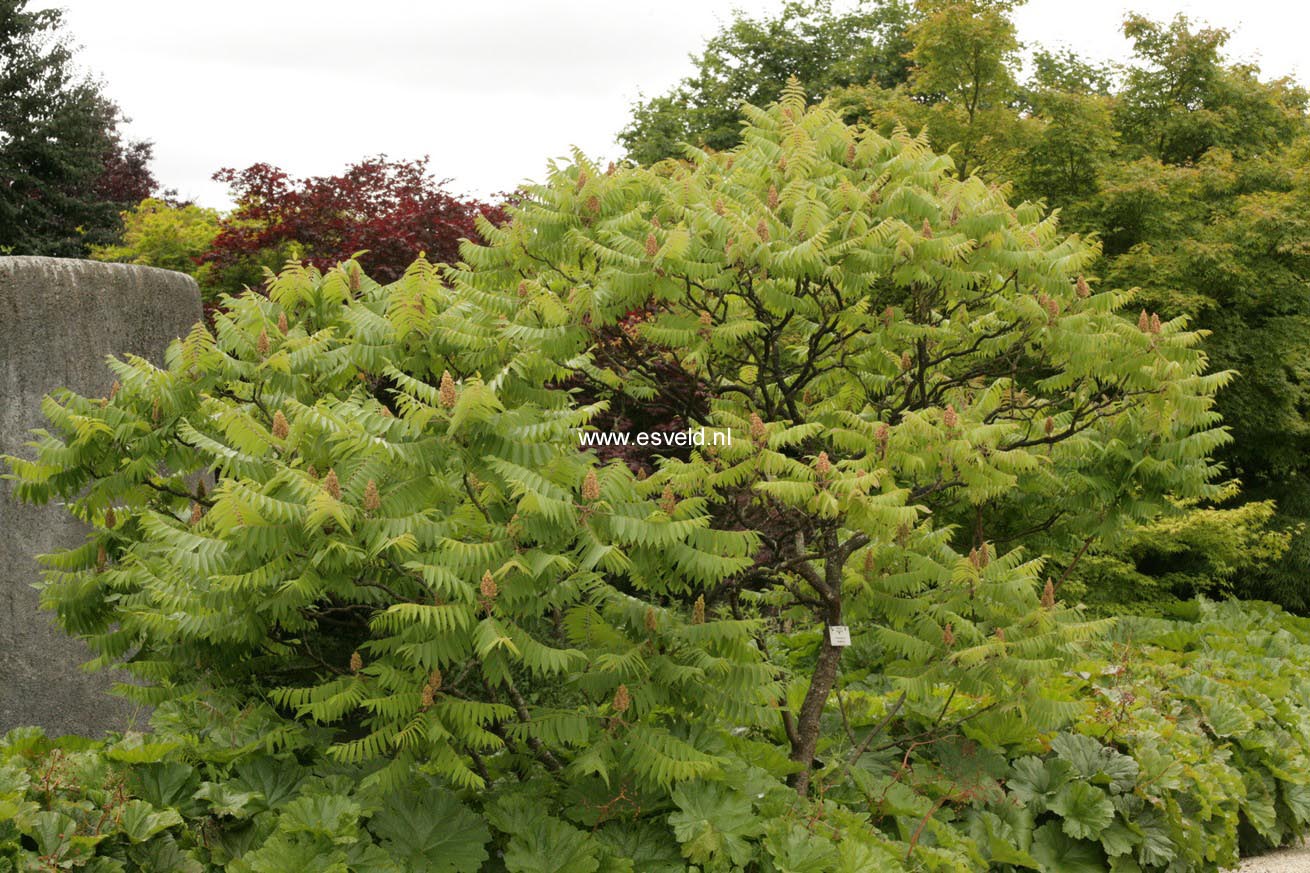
column 490, row 90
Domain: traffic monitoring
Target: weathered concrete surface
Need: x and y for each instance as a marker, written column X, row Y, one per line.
column 59, row 319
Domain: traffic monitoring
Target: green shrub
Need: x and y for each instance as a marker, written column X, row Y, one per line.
column 160, row 234
column 359, row 513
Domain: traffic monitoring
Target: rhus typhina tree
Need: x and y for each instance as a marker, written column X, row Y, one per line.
column 366, row 505
column 362, row 510
column 929, row 402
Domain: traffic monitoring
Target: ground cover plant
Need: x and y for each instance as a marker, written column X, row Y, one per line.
column 1190, row 738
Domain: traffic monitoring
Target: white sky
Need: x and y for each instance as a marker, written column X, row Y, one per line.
column 489, row 90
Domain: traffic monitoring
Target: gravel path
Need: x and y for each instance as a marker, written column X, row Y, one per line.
column 1282, row 861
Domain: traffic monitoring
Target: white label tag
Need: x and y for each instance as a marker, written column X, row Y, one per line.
column 839, row 635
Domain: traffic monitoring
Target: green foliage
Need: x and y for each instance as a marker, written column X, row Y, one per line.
column 1208, row 551
column 442, row 558
column 1188, row 167
column 1183, row 100
column 1188, row 743
column 358, row 515
column 66, row 169
column 750, row 59
column 159, row 234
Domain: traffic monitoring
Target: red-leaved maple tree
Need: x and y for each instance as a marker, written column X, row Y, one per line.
column 392, row 209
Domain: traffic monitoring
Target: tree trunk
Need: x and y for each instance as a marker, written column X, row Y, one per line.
column 816, row 698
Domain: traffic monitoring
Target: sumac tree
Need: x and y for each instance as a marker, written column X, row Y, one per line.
column 366, row 504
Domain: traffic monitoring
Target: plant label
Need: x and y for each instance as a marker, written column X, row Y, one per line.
column 839, row 635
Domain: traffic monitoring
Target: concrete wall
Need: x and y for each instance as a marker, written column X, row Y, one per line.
column 59, row 319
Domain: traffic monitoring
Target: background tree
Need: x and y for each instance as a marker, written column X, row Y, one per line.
column 66, row 170
column 1186, row 166
column 393, row 210
column 750, row 60
column 172, row 236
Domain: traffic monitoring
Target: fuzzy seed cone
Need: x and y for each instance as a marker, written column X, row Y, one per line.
column 110, row 518
column 356, row 662
column 883, row 435
column 706, row 319
column 906, row 361
column 435, row 680
column 1000, row 634
column 758, row 430
column 955, row 216
column 332, row 485
column 822, row 465
column 1081, row 288
column 950, row 417
column 948, row 636
column 762, row 230
column 593, row 203
column 582, row 178
column 984, row 556
column 354, row 279
column 668, row 501
column 850, row 152
column 698, row 610
column 782, row 163
column 1144, row 322
column 1052, row 308
column 926, row 230
column 1155, row 323
column 281, row 427
column 523, row 288
column 488, row 586
column 719, row 208
column 102, row 557
column 652, row 621
column 372, row 500
column 426, row 698
column 773, row 196
column 1048, row 595
column 114, row 389
column 312, row 471
column 154, row 410
column 446, row 393
column 652, row 245
column 621, row 699
column 590, row 487
column 282, row 324
column 903, row 535
column 261, row 345
column 973, row 557
column 868, row 560
column 387, row 413
column 875, row 196
column 197, row 512
column 609, row 171
column 888, row 316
